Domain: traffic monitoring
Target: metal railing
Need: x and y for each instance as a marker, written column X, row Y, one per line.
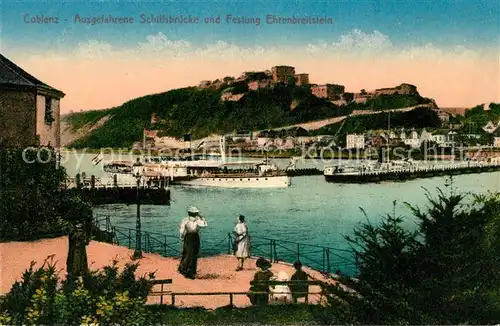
column 321, row 258
column 324, row 259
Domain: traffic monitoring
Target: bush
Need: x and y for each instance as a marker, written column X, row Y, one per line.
column 444, row 273
column 107, row 296
column 33, row 204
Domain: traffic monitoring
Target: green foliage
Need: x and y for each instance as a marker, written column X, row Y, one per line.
column 78, row 120
column 480, row 117
column 104, row 297
column 33, row 204
column 417, row 118
column 257, row 75
column 444, row 273
column 387, row 102
column 30, row 194
column 200, row 112
column 262, row 315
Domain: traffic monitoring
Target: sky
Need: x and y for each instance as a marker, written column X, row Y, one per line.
column 449, row 49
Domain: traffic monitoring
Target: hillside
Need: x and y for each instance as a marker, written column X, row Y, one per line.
column 201, row 112
column 478, row 116
column 418, row 118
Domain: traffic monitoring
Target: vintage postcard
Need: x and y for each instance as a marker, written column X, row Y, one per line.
column 260, row 162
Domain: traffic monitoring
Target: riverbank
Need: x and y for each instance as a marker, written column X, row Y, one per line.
column 215, row 274
column 326, row 154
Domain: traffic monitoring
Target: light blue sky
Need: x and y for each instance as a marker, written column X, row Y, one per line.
column 472, row 23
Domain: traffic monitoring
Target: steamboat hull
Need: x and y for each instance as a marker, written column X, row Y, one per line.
column 236, row 182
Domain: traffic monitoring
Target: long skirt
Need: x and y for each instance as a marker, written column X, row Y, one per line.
column 190, row 251
column 243, row 248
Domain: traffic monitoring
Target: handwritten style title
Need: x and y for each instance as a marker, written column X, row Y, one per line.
column 269, row 19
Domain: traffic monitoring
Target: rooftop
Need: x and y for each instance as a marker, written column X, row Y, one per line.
column 13, row 75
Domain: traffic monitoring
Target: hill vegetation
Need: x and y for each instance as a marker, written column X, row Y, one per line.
column 418, row 118
column 201, row 112
column 477, row 117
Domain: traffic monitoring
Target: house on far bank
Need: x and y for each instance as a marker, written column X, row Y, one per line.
column 496, row 142
column 29, row 109
column 355, row 141
column 491, row 127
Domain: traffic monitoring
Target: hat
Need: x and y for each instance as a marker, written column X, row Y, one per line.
column 297, row 264
column 263, row 263
column 193, row 209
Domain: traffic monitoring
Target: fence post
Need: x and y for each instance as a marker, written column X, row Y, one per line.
column 165, row 245
column 328, row 260
column 230, row 299
column 116, row 236
column 173, row 299
column 271, row 250
column 274, row 251
column 324, row 259
column 161, row 295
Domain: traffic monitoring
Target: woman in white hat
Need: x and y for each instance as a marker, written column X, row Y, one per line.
column 241, row 242
column 191, row 241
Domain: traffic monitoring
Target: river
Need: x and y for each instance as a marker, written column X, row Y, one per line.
column 311, row 211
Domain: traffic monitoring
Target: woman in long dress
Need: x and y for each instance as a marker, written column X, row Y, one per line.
column 191, row 242
column 241, row 242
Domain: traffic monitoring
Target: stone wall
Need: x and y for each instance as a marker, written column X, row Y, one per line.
column 17, row 118
column 301, row 79
column 282, row 73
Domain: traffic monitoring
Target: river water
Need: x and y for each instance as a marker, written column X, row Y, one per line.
column 311, row 211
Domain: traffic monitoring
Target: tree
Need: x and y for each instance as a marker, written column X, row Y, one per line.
column 445, row 272
column 30, row 194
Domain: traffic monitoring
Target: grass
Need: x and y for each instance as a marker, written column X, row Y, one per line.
column 269, row 315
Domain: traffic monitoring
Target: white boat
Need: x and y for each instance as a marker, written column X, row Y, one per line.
column 261, row 175
column 210, row 171
column 234, row 174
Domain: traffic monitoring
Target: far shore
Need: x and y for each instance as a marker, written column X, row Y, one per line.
column 283, row 154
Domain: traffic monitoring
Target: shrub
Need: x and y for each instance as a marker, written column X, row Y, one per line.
column 107, row 296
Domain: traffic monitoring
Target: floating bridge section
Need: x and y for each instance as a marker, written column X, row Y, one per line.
column 416, row 172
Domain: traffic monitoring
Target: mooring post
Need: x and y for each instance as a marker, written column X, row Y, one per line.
column 274, row 249
column 78, row 181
